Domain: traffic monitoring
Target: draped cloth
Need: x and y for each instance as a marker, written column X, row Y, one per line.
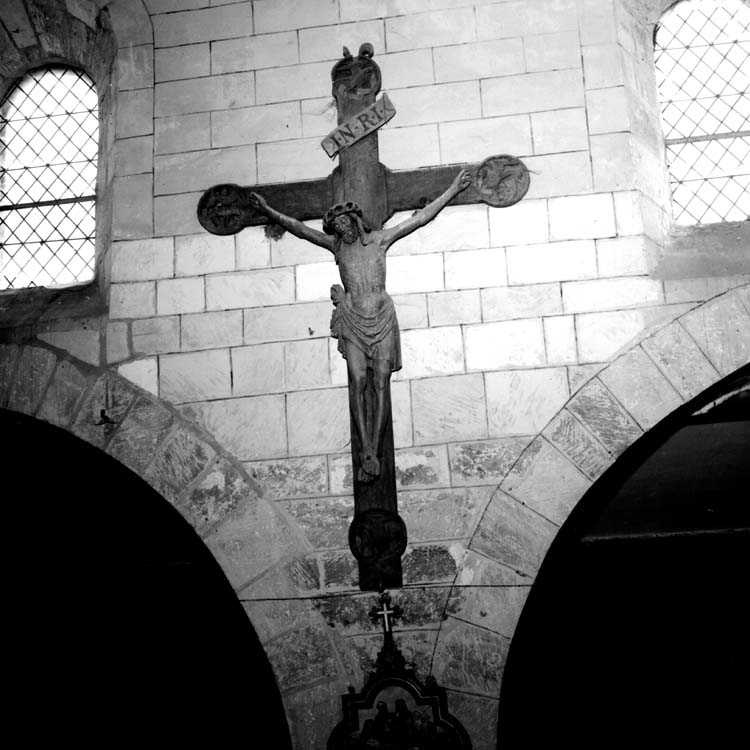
column 377, row 335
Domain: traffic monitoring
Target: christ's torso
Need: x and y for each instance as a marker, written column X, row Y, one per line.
column 362, row 269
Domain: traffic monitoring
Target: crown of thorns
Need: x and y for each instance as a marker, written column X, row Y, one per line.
column 350, row 207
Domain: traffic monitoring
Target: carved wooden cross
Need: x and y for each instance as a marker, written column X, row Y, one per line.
column 377, row 536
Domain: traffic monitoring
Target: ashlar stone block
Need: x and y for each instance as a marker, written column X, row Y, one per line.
column 249, row 541
column 180, row 133
column 456, row 228
column 721, row 328
column 553, row 51
column 250, row 289
column 253, row 250
column 582, row 217
column 640, row 387
column 623, row 256
column 449, row 409
column 554, row 261
column 133, row 209
column 258, row 369
column 306, row 364
column 421, row 468
column 461, row 62
column 532, row 92
column 411, row 310
column 560, row 340
column 198, row 254
column 249, row 428
column 83, row 343
column 560, row 174
column 269, row 122
column 186, row 295
column 442, row 513
column 185, row 61
column 254, row 53
column 143, row 260
column 204, row 94
column 195, row 376
column 678, row 356
column 485, row 462
column 433, row 29
column 285, row 478
column 143, row 373
column 521, row 402
column 211, row 330
column 569, row 436
column 473, row 140
column 438, row 103
column 66, row 390
column 322, row 42
column 216, row 495
column 514, row 535
column 524, row 223
column 287, row 322
column 560, row 130
column 490, row 595
column 156, row 335
column 610, row 294
column 132, row 300
column 203, row 25
column 454, row 308
column 510, row 302
column 512, row 343
column 179, row 461
column 471, row 269
column 597, row 409
column 276, row 17
column 318, row 421
column 325, row 520
column 410, row 147
column 431, row 351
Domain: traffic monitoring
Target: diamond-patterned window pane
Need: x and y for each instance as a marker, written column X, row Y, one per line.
column 49, row 140
column 703, row 74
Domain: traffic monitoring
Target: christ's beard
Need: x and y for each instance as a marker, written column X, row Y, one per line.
column 350, row 236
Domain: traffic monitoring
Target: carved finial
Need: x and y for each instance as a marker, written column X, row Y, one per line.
column 367, row 50
column 347, row 54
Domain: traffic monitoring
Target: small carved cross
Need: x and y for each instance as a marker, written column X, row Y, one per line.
column 365, row 194
column 386, row 612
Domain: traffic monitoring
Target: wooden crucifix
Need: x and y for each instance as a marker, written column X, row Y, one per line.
column 354, row 202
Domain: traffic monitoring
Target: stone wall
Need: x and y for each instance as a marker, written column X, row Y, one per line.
column 505, row 313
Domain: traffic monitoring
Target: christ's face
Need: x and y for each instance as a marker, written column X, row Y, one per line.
column 346, row 228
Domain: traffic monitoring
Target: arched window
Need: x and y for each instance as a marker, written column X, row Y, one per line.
column 49, row 134
column 702, row 51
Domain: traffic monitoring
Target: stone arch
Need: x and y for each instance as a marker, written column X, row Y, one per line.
column 662, row 371
column 261, row 552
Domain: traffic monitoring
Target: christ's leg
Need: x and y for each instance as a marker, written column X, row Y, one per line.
column 382, row 376
column 356, row 363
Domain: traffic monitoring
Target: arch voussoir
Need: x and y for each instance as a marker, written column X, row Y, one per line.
column 607, row 414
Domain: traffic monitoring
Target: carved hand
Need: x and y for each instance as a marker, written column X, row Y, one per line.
column 258, row 202
column 462, row 181
column 337, row 294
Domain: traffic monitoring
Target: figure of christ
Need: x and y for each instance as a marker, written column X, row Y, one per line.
column 364, row 318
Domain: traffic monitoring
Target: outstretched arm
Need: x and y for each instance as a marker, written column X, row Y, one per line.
column 294, row 226
column 429, row 212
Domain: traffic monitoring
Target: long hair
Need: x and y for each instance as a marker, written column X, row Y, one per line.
column 355, row 212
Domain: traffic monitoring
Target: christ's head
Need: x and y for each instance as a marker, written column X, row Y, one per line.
column 345, row 222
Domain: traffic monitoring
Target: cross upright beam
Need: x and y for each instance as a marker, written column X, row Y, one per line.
column 366, row 194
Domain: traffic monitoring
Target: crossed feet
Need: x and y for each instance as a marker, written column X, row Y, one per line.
column 369, row 465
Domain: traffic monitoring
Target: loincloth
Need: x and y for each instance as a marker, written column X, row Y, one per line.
column 377, row 335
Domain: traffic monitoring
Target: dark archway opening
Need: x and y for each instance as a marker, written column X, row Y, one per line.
column 120, row 625
column 636, row 629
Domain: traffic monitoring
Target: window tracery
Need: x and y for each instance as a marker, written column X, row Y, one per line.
column 702, row 54
column 49, row 134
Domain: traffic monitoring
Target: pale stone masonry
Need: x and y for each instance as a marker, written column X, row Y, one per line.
column 538, row 341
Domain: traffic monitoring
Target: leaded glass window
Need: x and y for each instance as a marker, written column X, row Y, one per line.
column 702, row 51
column 49, row 133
